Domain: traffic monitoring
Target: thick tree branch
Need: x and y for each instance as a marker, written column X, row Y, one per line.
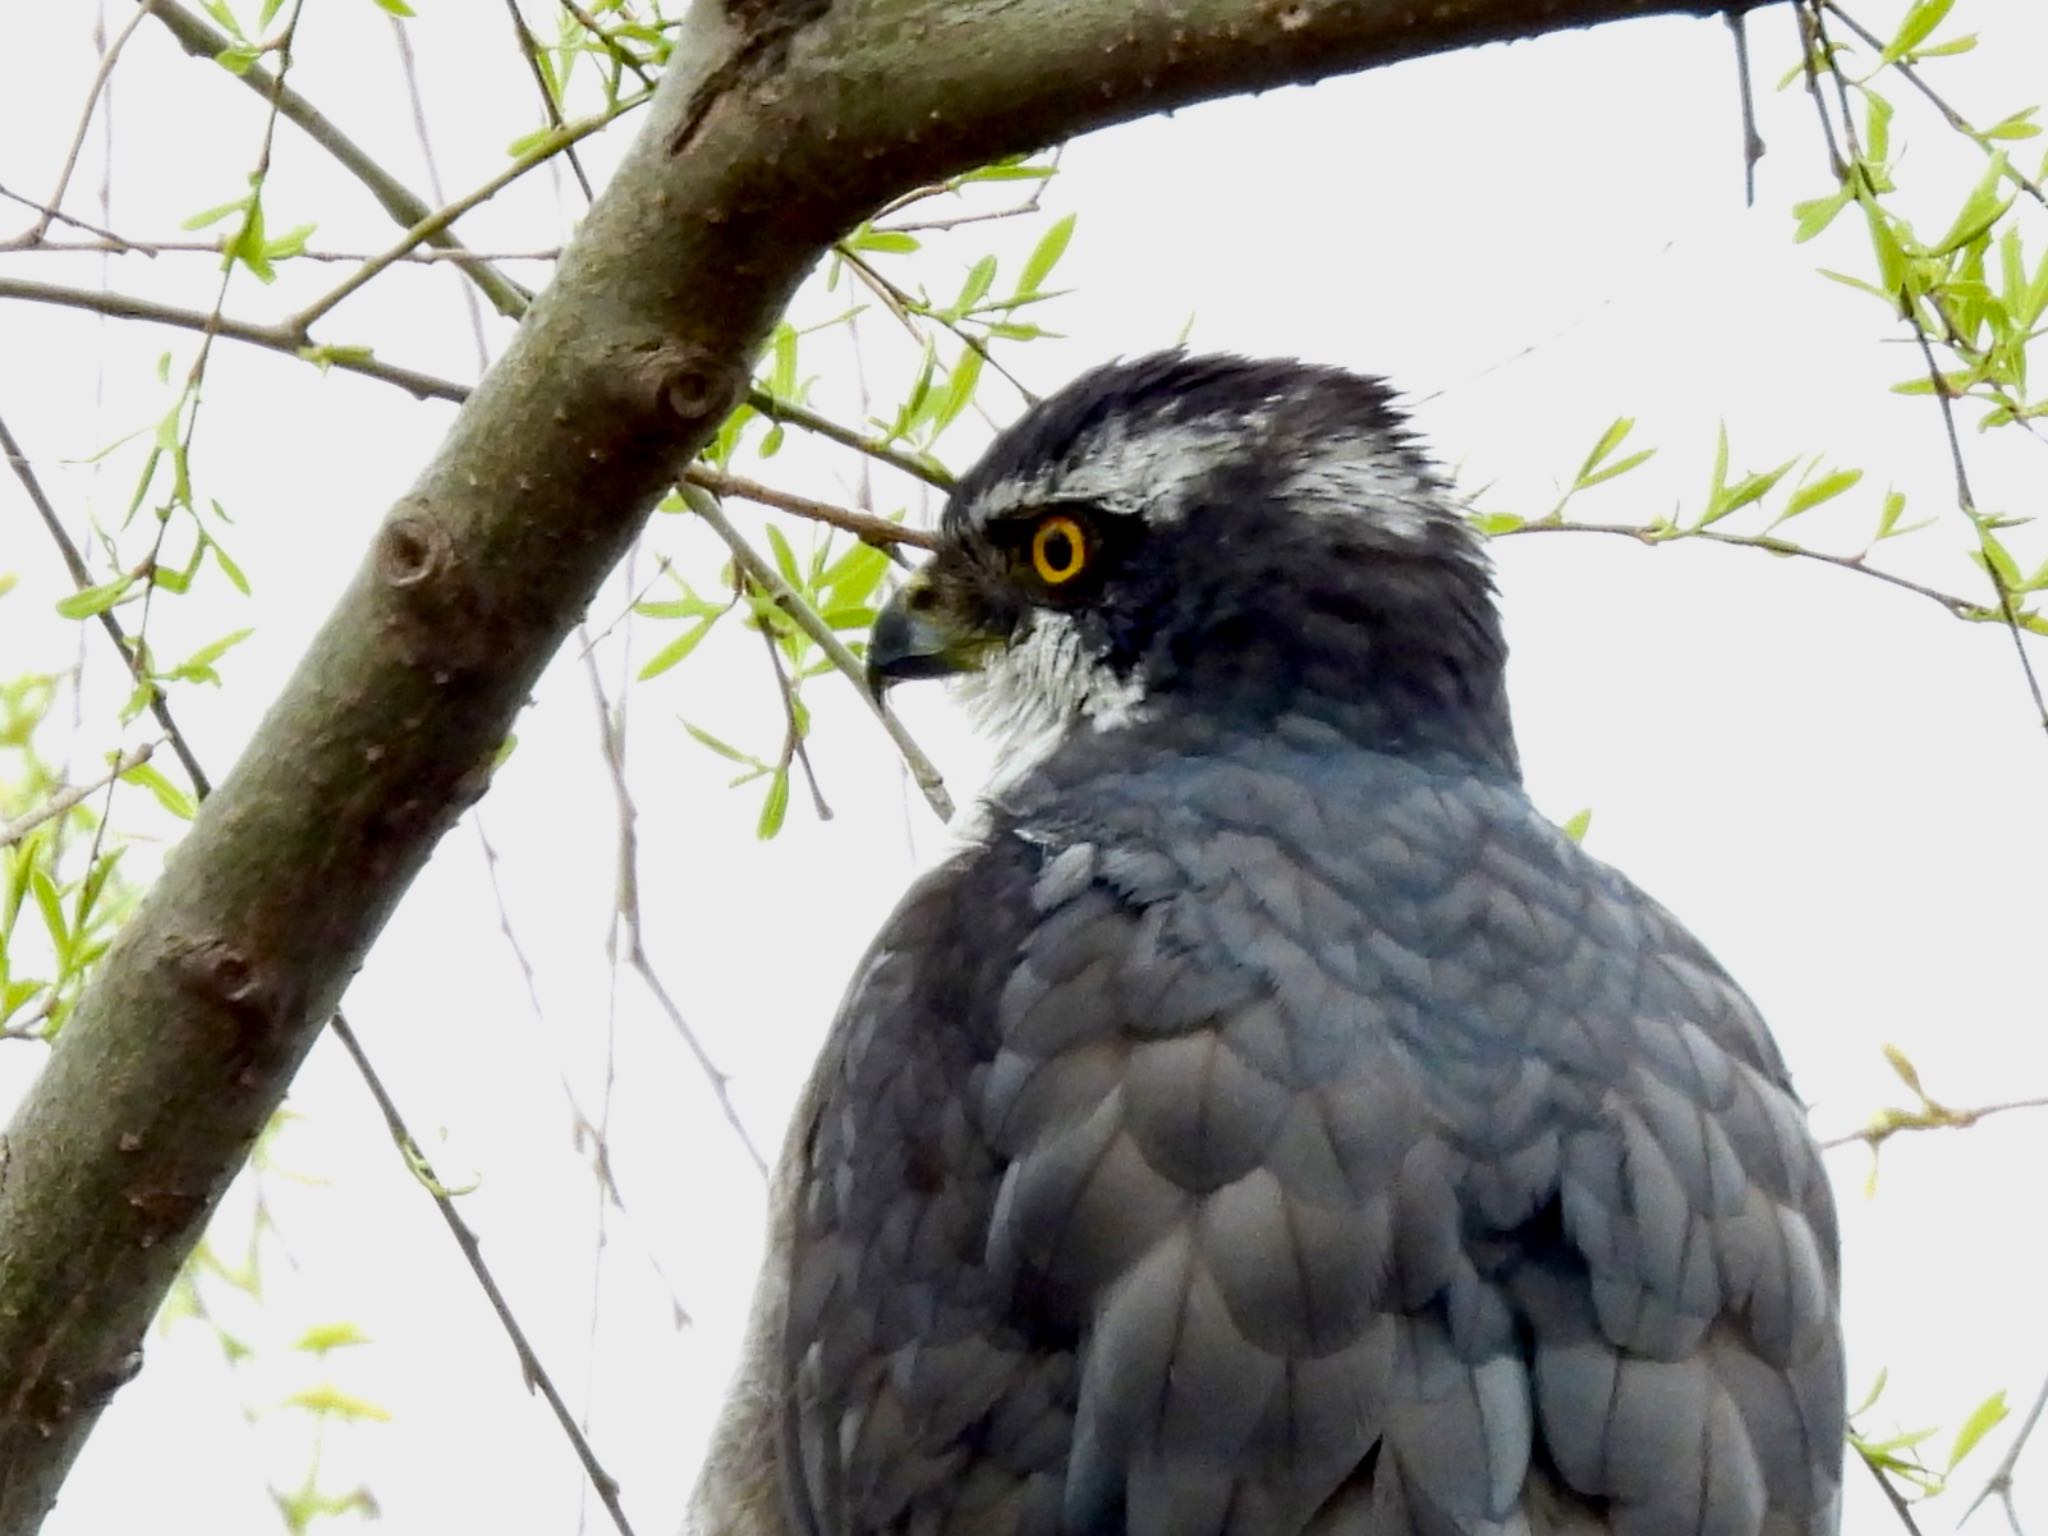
column 184, row 1044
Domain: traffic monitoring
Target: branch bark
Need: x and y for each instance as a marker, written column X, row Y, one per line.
column 779, row 127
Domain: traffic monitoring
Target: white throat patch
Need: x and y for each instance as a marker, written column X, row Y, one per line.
column 1035, row 693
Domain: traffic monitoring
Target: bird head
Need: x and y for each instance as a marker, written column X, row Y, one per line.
column 1209, row 537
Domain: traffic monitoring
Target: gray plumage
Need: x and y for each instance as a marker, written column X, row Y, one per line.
column 1269, row 1123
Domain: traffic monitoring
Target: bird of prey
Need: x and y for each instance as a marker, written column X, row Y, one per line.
column 1266, row 1122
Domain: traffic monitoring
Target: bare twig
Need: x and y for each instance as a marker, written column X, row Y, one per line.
column 201, row 39
column 529, row 1363
column 1955, row 119
column 530, row 51
column 1967, row 503
column 2000, row 1481
column 626, row 914
column 58, row 804
column 108, row 58
column 1653, row 535
column 118, row 245
column 865, row 526
column 441, row 218
column 1892, row 1495
column 415, row 100
column 81, row 577
column 1752, row 142
column 202, row 786
column 1930, row 1116
column 903, row 305
column 764, row 575
column 793, row 748
column 273, row 338
column 824, row 426
column 610, row 44
column 588, row 1134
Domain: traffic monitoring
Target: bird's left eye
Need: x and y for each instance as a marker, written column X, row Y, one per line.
column 1059, row 549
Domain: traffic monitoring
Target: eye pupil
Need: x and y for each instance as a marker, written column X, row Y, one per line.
column 1058, row 550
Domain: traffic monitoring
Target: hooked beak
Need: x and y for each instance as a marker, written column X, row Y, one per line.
column 920, row 633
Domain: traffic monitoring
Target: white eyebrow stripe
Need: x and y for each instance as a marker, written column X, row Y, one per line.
column 1150, row 471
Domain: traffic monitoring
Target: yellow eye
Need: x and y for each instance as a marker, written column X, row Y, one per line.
column 1059, row 550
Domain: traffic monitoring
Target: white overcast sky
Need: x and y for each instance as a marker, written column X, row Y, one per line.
column 1836, row 785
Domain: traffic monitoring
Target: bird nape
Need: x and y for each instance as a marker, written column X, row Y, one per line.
column 1270, row 1123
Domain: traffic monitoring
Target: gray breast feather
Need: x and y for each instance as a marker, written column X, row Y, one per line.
column 1259, row 1159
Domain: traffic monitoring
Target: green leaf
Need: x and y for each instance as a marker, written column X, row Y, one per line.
column 725, row 750
column 889, row 242
column 959, row 390
column 775, row 806
column 199, row 665
column 168, row 795
column 318, row 1340
column 1052, row 245
column 1982, row 209
column 395, row 7
column 785, row 557
column 51, row 904
column 1620, row 466
column 215, row 215
column 1816, row 214
column 979, row 277
column 1491, row 524
column 92, row 600
column 331, row 1402
column 1877, row 129
column 675, row 650
column 2017, row 126
column 238, row 60
column 1919, row 23
column 1984, row 1418
column 1814, row 492
column 1576, row 827
column 228, row 568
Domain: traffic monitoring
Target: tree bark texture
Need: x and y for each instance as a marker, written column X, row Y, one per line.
column 780, row 125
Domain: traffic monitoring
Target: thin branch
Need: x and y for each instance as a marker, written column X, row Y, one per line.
column 529, row 1363
column 81, row 577
column 202, row 787
column 764, row 575
column 530, row 51
column 626, row 911
column 1931, row 1116
column 2000, row 1481
column 1959, row 607
column 43, row 211
column 415, row 100
column 1892, row 1495
column 108, row 58
column 58, row 804
column 1955, row 119
column 865, row 526
column 202, row 40
column 582, row 1128
column 824, row 426
column 904, row 304
column 1752, row 142
column 1967, row 503
column 793, row 748
column 426, row 228
column 609, row 43
column 274, row 338
column 118, row 245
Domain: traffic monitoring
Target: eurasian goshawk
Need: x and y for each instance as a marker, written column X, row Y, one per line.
column 1269, row 1123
